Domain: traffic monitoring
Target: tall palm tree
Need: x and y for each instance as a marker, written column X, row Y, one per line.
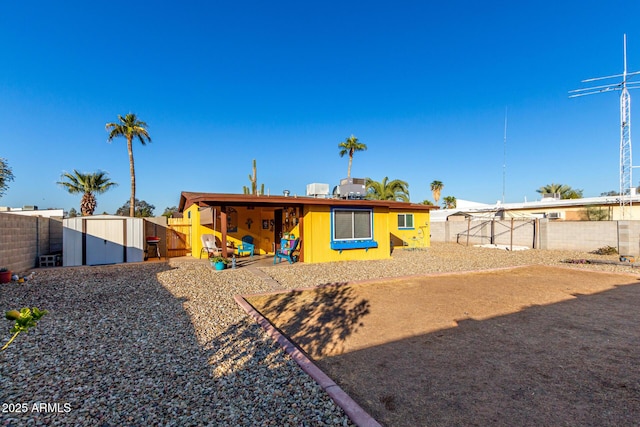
column 350, row 146
column 387, row 190
column 436, row 188
column 87, row 184
column 131, row 128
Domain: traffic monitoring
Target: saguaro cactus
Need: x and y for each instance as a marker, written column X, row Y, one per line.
column 254, row 182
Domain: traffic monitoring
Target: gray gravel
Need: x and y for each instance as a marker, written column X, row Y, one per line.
column 165, row 344
column 150, row 344
column 439, row 258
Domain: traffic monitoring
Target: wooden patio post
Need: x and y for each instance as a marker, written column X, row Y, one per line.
column 299, row 215
column 223, row 229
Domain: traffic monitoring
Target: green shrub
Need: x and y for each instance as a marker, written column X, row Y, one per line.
column 23, row 321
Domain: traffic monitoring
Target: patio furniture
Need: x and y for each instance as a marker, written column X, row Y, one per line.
column 287, row 248
column 246, row 247
column 209, row 245
column 152, row 249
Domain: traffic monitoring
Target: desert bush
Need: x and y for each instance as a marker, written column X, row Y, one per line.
column 605, row 250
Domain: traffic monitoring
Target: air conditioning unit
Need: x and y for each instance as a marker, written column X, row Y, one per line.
column 318, row 190
column 554, row 215
column 351, row 188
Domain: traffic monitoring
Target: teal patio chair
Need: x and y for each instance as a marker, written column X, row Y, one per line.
column 286, row 252
column 246, row 247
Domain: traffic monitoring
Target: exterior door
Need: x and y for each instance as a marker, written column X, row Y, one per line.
column 104, row 241
column 277, row 227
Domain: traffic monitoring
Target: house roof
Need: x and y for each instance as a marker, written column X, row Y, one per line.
column 543, row 205
column 188, row 198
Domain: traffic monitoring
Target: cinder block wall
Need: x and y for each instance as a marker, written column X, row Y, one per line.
column 579, row 235
column 23, row 239
column 55, row 237
column 584, row 236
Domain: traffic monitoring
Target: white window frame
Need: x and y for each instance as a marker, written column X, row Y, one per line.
column 404, row 216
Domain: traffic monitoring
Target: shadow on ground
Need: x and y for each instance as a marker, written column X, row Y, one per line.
column 570, row 363
column 98, row 351
column 573, row 362
column 319, row 320
column 120, row 349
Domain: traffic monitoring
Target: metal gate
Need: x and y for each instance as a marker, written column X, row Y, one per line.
column 510, row 232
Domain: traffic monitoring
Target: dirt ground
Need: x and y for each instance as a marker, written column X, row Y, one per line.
column 528, row 346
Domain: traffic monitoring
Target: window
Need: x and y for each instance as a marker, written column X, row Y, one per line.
column 405, row 221
column 352, row 224
column 352, row 229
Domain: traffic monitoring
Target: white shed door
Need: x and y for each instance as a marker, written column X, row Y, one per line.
column 105, row 241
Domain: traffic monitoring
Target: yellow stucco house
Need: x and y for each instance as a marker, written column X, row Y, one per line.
column 329, row 229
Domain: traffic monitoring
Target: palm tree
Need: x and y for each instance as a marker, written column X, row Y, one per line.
column 387, row 190
column 436, row 188
column 449, row 202
column 561, row 190
column 131, row 128
column 87, row 184
column 350, row 146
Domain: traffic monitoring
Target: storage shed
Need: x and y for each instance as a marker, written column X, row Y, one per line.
column 102, row 239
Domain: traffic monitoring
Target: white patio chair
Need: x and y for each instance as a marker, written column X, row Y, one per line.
column 209, row 245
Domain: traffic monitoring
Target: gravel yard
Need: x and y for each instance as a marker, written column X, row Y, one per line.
column 440, row 258
column 165, row 344
column 150, row 344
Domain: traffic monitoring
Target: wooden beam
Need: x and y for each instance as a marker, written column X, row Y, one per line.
column 223, row 229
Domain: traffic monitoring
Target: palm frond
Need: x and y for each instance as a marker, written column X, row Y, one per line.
column 387, row 190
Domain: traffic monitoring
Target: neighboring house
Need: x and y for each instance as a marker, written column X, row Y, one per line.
column 34, row 211
column 329, row 229
column 584, row 209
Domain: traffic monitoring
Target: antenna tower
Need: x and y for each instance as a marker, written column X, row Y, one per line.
column 626, row 164
column 504, row 156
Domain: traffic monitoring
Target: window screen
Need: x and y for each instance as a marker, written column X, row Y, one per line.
column 405, row 220
column 343, row 223
column 352, row 224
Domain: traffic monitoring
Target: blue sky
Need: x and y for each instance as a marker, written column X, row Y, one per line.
column 425, row 84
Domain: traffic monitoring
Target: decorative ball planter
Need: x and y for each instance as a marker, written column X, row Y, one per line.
column 5, row 276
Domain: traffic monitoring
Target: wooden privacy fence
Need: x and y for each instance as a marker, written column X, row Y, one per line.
column 179, row 238
column 176, row 243
column 173, row 241
column 500, row 232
